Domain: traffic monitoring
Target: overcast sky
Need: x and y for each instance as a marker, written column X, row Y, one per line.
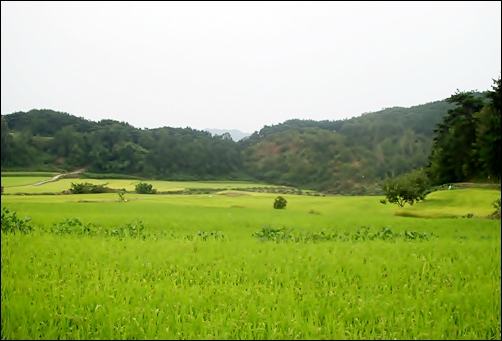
column 242, row 65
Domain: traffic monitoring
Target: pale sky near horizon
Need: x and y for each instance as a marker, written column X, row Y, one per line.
column 242, row 65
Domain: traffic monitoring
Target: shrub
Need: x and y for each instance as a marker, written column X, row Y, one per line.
column 144, row 188
column 121, row 195
column 496, row 214
column 87, row 188
column 406, row 189
column 275, row 234
column 10, row 223
column 73, row 226
column 280, row 202
column 281, row 235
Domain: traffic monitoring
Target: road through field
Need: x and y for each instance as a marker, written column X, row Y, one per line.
column 54, row 178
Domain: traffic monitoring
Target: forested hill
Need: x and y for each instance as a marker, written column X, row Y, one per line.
column 336, row 156
column 341, row 155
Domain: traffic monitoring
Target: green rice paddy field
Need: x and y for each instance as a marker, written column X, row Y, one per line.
column 198, row 270
column 14, row 185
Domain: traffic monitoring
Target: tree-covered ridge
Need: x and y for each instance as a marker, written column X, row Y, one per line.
column 47, row 122
column 467, row 141
column 110, row 146
column 336, row 156
column 340, row 155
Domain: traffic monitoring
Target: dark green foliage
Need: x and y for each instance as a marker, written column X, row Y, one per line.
column 444, row 187
column 466, row 145
column 281, row 234
column 6, row 142
column 144, row 188
column 343, row 156
column 310, row 154
column 135, row 230
column 489, row 134
column 496, row 214
column 110, row 146
column 336, row 157
column 48, row 122
column 88, row 188
column 10, row 223
column 308, row 150
column 76, row 226
column 406, row 189
column 121, row 195
column 280, row 203
column 275, row 234
column 454, row 158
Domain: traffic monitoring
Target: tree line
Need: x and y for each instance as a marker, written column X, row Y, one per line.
column 466, row 142
column 456, row 139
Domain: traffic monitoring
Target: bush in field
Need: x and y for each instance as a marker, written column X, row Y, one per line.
column 280, row 202
column 144, row 188
column 12, row 224
column 87, row 188
column 495, row 215
column 121, row 195
column 276, row 234
column 281, row 235
column 406, row 189
column 73, row 226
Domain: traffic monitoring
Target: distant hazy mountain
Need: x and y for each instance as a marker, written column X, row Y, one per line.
column 236, row 134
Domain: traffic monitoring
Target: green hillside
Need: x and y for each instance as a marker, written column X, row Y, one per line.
column 341, row 156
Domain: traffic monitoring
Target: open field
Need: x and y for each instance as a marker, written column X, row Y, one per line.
column 21, row 184
column 457, row 203
column 179, row 283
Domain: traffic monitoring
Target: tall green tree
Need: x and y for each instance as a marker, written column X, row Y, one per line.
column 63, row 141
column 6, row 142
column 407, row 188
column 454, row 157
column 489, row 134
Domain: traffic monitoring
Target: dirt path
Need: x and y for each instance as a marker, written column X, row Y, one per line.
column 54, row 178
